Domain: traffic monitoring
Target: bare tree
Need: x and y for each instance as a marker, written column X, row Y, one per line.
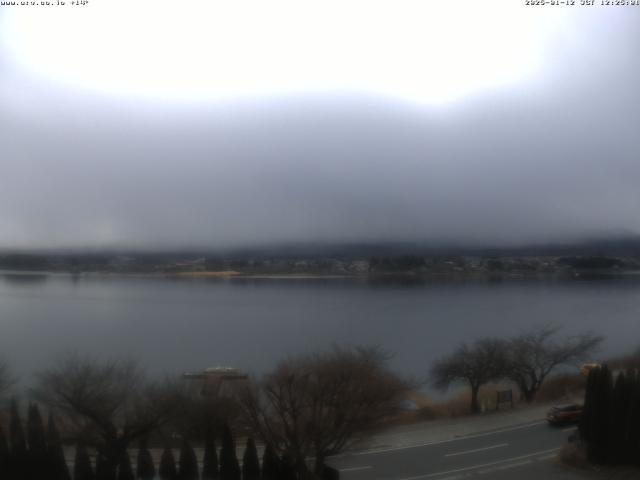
column 111, row 400
column 199, row 414
column 477, row 364
column 535, row 354
column 317, row 405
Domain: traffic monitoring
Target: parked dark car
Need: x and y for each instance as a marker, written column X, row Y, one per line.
column 564, row 414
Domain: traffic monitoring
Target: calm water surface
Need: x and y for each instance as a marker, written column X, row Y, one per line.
column 178, row 325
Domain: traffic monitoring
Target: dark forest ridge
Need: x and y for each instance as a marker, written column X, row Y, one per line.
column 605, row 255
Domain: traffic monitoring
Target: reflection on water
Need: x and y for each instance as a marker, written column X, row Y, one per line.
column 24, row 278
column 178, row 325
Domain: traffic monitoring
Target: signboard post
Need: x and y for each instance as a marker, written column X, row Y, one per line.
column 504, row 396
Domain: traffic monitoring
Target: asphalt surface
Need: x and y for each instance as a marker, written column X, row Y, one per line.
column 522, row 452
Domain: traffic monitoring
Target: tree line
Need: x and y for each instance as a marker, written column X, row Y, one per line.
column 307, row 409
column 610, row 424
column 32, row 454
column 310, row 407
column 527, row 360
column 36, row 453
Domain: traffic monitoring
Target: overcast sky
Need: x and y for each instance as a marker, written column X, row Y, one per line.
column 167, row 126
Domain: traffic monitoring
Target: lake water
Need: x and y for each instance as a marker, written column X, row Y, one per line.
column 178, row 325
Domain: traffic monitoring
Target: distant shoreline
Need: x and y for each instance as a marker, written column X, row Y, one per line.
column 233, row 274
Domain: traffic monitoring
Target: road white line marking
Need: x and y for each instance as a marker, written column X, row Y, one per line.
column 459, row 439
column 355, row 469
column 504, row 467
column 477, row 450
column 547, row 457
column 475, row 467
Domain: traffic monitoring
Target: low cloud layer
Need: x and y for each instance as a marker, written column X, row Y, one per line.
column 553, row 158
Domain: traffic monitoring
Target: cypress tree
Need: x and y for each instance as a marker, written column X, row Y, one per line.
column 250, row 462
column 188, row 463
column 4, row 455
column 210, row 460
column 167, row 469
column 103, row 471
column 37, row 446
column 287, row 468
column 229, row 467
column 270, row 464
column 18, row 461
column 55, row 453
column 16, row 432
column 82, row 469
column 35, row 433
column 618, row 427
column 633, row 445
column 125, row 472
column 585, row 426
column 598, row 445
column 145, row 469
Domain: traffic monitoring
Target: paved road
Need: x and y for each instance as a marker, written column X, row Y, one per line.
column 521, row 451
